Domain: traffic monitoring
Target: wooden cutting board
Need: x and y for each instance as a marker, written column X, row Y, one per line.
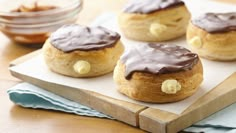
column 148, row 119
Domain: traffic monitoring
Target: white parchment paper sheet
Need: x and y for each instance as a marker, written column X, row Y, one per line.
column 214, row 72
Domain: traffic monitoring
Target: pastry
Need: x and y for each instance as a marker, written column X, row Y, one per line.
column 80, row 51
column 158, row 73
column 154, row 20
column 213, row 36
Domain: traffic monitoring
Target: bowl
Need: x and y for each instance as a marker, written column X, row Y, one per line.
column 32, row 21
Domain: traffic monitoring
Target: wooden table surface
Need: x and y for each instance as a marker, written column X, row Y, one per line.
column 14, row 119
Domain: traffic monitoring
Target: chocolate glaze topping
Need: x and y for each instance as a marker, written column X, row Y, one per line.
column 149, row 6
column 216, row 22
column 158, row 59
column 76, row 37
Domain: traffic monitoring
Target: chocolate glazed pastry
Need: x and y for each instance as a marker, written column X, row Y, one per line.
column 158, row 73
column 80, row 51
column 149, row 6
column 213, row 36
column 154, row 20
column 216, row 22
column 73, row 37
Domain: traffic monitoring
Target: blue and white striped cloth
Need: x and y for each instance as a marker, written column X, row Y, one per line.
column 30, row 96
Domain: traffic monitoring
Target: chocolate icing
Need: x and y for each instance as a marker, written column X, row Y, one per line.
column 158, row 59
column 149, row 6
column 76, row 37
column 216, row 22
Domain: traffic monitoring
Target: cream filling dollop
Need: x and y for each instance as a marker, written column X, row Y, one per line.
column 196, row 42
column 82, row 67
column 170, row 86
column 156, row 29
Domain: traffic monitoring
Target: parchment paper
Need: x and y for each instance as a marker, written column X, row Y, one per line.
column 214, row 72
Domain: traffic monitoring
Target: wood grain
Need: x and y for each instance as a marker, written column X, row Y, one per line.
column 120, row 110
column 218, row 98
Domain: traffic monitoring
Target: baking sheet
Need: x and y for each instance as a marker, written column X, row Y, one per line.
column 214, row 72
